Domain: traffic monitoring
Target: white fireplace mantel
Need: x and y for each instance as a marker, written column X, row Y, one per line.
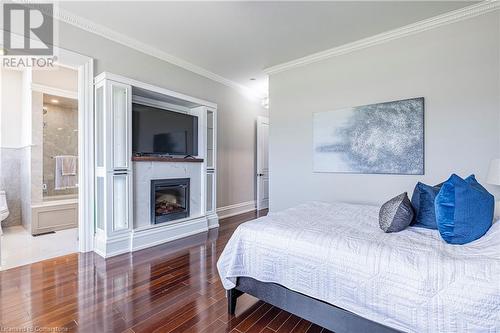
column 145, row 172
column 123, row 183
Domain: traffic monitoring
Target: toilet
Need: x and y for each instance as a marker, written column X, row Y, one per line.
column 4, row 210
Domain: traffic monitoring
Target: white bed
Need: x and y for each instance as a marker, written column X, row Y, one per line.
column 411, row 280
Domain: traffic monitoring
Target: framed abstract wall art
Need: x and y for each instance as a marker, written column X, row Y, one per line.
column 383, row 138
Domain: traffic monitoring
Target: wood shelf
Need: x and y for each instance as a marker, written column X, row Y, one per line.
column 166, row 159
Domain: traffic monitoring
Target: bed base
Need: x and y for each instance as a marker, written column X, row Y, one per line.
column 318, row 312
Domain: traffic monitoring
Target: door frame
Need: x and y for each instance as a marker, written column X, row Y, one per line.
column 260, row 119
column 85, row 67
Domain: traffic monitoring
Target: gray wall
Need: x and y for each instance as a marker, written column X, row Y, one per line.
column 237, row 113
column 455, row 67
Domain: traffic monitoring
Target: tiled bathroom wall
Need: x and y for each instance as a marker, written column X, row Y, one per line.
column 60, row 137
column 10, row 179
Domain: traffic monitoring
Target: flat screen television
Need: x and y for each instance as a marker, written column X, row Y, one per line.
column 158, row 131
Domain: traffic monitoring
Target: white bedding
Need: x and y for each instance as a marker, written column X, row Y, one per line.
column 411, row 280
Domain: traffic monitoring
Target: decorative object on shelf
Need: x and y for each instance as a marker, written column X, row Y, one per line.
column 384, row 138
column 494, row 179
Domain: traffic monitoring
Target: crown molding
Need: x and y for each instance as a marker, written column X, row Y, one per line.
column 408, row 30
column 100, row 30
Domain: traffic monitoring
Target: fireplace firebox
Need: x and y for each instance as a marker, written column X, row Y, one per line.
column 169, row 199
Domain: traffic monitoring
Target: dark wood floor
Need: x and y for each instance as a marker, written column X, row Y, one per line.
column 173, row 287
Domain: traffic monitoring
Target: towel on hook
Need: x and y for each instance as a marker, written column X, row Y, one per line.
column 65, row 173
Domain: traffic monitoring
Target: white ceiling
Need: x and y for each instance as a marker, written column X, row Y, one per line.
column 60, row 101
column 237, row 40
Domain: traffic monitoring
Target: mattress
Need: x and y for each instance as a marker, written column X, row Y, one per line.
column 411, row 280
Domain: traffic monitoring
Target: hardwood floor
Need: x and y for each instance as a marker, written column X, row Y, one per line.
column 172, row 287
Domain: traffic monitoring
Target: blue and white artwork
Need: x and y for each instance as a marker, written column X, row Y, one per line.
column 384, row 138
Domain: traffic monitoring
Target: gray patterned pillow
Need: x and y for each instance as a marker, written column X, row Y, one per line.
column 396, row 214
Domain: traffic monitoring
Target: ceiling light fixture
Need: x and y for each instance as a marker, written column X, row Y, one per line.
column 55, row 101
column 253, row 79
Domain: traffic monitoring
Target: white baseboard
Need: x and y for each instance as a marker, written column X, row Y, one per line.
column 139, row 239
column 155, row 236
column 236, row 209
column 213, row 221
column 111, row 247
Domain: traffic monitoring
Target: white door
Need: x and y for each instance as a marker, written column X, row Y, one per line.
column 262, row 163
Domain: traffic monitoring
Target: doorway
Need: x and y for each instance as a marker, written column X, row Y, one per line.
column 262, row 163
column 59, row 122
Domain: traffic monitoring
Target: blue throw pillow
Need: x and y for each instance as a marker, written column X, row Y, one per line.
column 464, row 210
column 422, row 201
column 472, row 181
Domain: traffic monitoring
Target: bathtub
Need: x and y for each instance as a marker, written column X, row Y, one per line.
column 54, row 213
